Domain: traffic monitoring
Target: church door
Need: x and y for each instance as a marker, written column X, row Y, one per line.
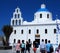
column 37, row 38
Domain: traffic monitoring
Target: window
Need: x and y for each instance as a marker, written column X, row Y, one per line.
column 15, row 15
column 16, row 22
column 29, row 31
column 47, row 15
column 14, row 40
column 13, row 22
column 18, row 15
column 45, row 41
column 37, row 31
column 40, row 15
column 54, row 30
column 14, row 31
column 17, row 10
column 21, row 31
column 45, row 31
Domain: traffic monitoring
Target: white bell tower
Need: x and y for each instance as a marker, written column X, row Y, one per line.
column 16, row 19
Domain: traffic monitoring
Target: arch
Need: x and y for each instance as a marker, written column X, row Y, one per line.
column 47, row 15
column 12, row 22
column 14, row 31
column 54, row 31
column 29, row 31
column 15, row 15
column 18, row 15
column 41, row 15
column 45, row 31
column 37, row 31
column 22, row 31
column 17, row 10
column 16, row 22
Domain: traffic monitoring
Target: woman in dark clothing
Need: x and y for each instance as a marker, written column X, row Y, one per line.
column 30, row 43
column 27, row 47
column 34, row 46
column 23, row 47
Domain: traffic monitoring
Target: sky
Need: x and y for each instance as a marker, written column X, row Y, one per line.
column 27, row 7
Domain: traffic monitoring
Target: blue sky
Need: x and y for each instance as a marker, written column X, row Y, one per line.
column 27, row 7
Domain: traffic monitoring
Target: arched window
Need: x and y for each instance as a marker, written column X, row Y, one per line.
column 15, row 15
column 37, row 31
column 21, row 31
column 54, row 31
column 45, row 41
column 40, row 15
column 16, row 22
column 47, row 15
column 18, row 15
column 45, row 31
column 17, row 10
column 14, row 31
column 29, row 31
column 13, row 22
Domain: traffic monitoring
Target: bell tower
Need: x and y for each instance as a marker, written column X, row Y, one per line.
column 16, row 19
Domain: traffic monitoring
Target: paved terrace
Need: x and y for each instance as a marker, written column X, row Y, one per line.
column 13, row 51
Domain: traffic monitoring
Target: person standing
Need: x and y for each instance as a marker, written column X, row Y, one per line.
column 58, row 49
column 27, row 47
column 48, row 45
column 30, row 43
column 14, row 46
column 18, row 47
column 23, row 47
column 34, row 47
column 42, row 47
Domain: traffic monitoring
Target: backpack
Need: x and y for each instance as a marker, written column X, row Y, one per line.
column 23, row 45
column 51, row 48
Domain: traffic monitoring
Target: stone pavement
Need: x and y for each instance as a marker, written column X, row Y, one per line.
column 13, row 51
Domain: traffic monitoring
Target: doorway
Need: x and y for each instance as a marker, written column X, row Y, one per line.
column 37, row 38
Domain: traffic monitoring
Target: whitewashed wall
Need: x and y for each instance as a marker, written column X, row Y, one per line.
column 25, row 36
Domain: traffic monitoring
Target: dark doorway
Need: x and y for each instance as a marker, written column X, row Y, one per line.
column 37, row 40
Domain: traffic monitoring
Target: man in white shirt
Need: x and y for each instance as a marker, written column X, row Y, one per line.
column 42, row 47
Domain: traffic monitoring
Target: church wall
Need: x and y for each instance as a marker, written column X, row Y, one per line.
column 44, row 16
column 25, row 36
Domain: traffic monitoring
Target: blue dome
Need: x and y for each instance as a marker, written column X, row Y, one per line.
column 42, row 9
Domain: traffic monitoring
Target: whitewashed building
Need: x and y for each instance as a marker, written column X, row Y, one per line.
column 42, row 27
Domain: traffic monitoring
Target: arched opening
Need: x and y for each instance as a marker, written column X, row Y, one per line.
column 45, row 41
column 13, row 22
column 37, row 31
column 16, row 22
column 37, row 38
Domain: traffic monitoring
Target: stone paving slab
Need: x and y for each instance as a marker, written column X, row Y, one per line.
column 12, row 51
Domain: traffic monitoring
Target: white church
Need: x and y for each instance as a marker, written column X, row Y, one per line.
column 42, row 27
